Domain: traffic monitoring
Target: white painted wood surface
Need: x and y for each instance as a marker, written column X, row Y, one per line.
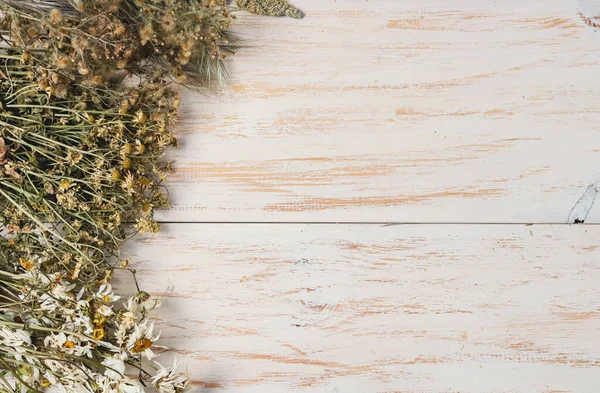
column 404, row 111
column 371, row 308
column 390, row 111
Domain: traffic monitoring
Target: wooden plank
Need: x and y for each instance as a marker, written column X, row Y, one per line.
column 405, row 111
column 371, row 308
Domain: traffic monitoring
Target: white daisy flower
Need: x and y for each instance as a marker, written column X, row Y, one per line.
column 14, row 338
column 68, row 344
column 105, row 310
column 127, row 385
column 141, row 340
column 141, row 302
column 106, row 294
column 169, row 380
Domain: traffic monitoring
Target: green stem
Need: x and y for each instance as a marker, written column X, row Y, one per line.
column 16, row 375
column 42, row 226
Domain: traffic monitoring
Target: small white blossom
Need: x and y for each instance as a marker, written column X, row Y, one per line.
column 126, row 385
column 71, row 344
column 169, row 380
column 18, row 340
column 141, row 302
column 14, row 338
column 104, row 310
column 115, row 368
column 106, row 294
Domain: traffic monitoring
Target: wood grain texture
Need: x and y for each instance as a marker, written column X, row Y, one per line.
column 391, row 111
column 404, row 111
column 371, row 308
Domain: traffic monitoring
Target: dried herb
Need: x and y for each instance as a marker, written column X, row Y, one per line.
column 3, row 151
column 82, row 162
column 271, row 8
column 108, row 40
column 82, row 169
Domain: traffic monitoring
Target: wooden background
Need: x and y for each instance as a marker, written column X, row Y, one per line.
column 350, row 214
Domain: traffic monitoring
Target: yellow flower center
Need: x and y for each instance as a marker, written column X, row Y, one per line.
column 69, row 344
column 99, row 320
column 99, row 333
column 142, row 345
column 26, row 263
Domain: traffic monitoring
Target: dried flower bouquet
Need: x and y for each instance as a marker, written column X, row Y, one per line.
column 82, row 170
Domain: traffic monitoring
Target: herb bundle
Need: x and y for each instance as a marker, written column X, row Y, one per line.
column 88, row 97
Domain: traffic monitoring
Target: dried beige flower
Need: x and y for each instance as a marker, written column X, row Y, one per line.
column 3, row 152
column 56, row 16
